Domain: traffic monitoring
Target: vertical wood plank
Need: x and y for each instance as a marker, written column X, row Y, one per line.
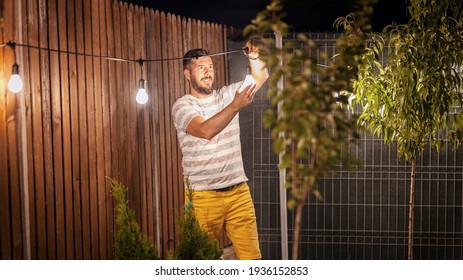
column 90, row 81
column 91, row 208
column 142, row 149
column 175, row 92
column 5, row 226
column 169, row 87
column 216, row 41
column 131, row 80
column 47, row 133
column 74, row 18
column 27, row 178
column 156, row 74
column 25, row 132
column 186, row 43
column 223, row 39
column 103, row 138
column 99, row 188
column 124, row 163
column 83, row 144
column 116, row 98
column 15, row 195
column 68, row 230
column 38, row 195
column 180, row 80
column 171, row 153
column 195, row 35
column 165, row 184
column 148, row 132
column 109, row 101
column 56, row 130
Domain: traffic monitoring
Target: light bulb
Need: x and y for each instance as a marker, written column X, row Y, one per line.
column 142, row 96
column 248, row 80
column 15, row 84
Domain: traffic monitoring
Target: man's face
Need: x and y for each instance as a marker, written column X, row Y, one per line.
column 201, row 74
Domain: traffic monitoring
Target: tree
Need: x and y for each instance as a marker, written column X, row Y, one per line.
column 309, row 127
column 129, row 243
column 414, row 99
column 194, row 243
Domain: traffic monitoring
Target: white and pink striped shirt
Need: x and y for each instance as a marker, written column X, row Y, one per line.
column 209, row 164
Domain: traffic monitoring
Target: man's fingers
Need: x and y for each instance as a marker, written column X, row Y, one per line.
column 247, row 88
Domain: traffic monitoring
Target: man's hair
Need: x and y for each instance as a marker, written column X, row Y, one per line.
column 193, row 54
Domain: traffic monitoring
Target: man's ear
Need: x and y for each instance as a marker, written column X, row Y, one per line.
column 187, row 74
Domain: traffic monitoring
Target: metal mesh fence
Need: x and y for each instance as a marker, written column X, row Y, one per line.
column 364, row 213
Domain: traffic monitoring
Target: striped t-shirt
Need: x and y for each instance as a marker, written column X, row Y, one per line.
column 209, row 164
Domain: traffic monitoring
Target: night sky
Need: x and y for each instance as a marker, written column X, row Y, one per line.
column 301, row 15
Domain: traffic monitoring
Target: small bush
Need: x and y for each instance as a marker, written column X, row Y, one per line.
column 129, row 243
column 194, row 242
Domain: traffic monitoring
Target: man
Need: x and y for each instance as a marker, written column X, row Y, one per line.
column 208, row 131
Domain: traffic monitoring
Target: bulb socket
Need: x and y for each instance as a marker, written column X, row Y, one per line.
column 15, row 69
column 141, row 83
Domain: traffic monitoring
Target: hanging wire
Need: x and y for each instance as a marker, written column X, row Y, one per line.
column 140, row 60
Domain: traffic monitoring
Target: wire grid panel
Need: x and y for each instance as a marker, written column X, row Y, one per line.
column 364, row 213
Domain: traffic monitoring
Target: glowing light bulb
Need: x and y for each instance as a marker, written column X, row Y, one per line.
column 15, row 84
column 142, row 96
column 248, row 80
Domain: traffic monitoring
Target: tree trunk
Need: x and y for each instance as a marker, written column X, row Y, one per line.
column 295, row 188
column 297, row 231
column 300, row 194
column 410, row 213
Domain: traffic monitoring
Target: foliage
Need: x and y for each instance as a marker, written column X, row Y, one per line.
column 309, row 120
column 130, row 243
column 309, row 127
column 195, row 243
column 414, row 99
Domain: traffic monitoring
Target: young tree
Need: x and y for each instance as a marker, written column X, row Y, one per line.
column 309, row 128
column 194, row 243
column 415, row 98
column 129, row 241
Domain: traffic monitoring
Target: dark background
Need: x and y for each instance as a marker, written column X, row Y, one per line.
column 301, row 15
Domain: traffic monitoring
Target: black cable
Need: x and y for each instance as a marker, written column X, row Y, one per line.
column 139, row 61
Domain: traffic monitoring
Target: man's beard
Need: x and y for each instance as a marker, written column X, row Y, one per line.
column 200, row 89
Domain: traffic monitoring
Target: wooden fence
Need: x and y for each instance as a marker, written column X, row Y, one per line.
column 76, row 122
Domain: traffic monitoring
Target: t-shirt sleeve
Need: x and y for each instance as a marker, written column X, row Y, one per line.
column 183, row 113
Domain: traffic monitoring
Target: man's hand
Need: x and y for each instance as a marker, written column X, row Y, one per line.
column 251, row 50
column 258, row 68
column 245, row 97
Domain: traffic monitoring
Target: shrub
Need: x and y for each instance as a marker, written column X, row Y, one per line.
column 129, row 243
column 194, row 243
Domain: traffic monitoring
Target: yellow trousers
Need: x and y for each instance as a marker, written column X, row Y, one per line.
column 233, row 211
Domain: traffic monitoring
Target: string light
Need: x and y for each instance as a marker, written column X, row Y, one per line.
column 142, row 95
column 15, row 84
column 248, row 80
